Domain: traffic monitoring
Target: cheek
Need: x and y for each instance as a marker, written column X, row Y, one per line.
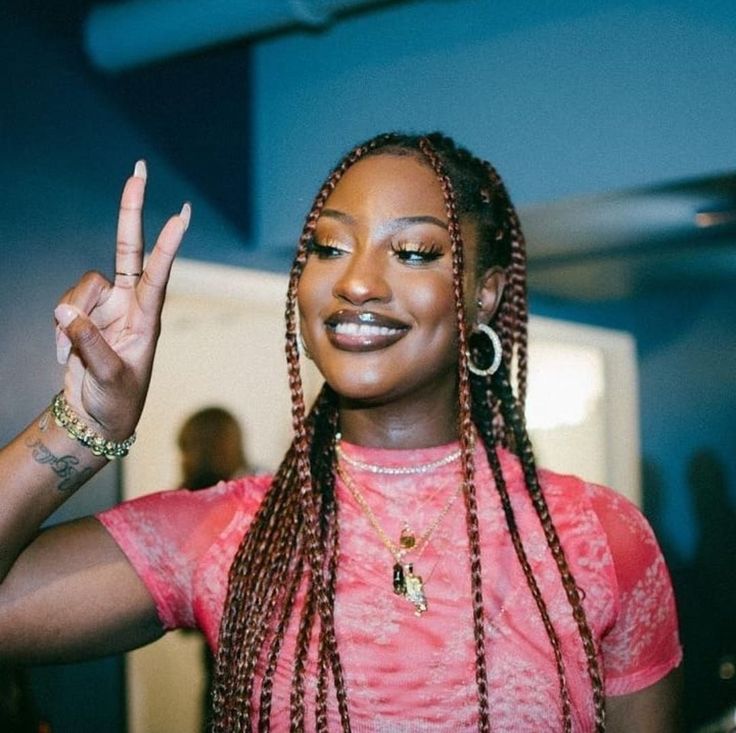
column 309, row 294
column 434, row 301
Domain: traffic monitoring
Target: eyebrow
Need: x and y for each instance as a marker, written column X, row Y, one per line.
column 391, row 226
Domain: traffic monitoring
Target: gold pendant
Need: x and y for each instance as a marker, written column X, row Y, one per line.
column 407, row 540
column 410, row 586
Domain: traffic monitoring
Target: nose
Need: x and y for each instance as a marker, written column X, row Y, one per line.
column 364, row 279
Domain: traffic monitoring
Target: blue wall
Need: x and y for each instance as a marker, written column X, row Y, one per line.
column 564, row 98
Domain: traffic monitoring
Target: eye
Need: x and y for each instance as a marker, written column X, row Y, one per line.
column 416, row 253
column 325, row 250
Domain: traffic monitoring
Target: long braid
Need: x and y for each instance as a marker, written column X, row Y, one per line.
column 231, row 698
column 286, row 540
column 316, row 593
column 484, row 423
column 294, row 537
column 325, row 602
column 324, row 658
column 264, row 711
column 513, row 314
column 503, row 387
column 504, row 426
column 466, row 437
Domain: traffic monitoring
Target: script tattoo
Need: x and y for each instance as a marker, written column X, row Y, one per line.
column 65, row 467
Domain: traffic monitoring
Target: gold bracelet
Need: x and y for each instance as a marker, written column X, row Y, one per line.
column 66, row 418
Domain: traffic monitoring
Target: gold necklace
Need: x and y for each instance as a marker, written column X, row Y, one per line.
column 405, row 582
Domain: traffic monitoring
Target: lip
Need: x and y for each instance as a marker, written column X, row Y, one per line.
column 352, row 330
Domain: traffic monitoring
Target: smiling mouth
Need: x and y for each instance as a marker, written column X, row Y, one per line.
column 363, row 330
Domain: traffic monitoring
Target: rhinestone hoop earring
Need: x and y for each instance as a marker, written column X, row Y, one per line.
column 497, row 352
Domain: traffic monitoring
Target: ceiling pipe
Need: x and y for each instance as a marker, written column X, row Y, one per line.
column 123, row 35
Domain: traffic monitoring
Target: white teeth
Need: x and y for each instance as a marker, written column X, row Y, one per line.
column 364, row 330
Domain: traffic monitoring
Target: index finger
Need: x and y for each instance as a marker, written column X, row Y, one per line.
column 129, row 241
column 152, row 286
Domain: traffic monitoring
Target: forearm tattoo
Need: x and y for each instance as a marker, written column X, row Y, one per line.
column 67, row 468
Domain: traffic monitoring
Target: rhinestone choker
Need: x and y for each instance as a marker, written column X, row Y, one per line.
column 396, row 470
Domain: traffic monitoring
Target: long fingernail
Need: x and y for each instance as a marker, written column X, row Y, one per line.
column 62, row 353
column 63, row 346
column 186, row 214
column 64, row 315
column 140, row 170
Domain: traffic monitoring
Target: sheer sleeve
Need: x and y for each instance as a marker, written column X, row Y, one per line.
column 642, row 645
column 166, row 535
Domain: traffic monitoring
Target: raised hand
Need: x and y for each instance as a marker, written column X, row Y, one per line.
column 107, row 331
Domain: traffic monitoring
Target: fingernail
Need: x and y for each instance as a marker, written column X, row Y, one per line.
column 63, row 346
column 140, row 170
column 186, row 214
column 64, row 315
column 62, row 353
column 61, row 337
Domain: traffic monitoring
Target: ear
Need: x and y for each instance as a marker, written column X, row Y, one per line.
column 488, row 293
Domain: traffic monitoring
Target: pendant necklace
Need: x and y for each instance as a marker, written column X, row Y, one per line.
column 405, row 582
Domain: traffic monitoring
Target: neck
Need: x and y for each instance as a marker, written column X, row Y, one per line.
column 396, row 426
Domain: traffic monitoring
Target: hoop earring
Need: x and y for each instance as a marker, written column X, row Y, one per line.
column 304, row 348
column 497, row 352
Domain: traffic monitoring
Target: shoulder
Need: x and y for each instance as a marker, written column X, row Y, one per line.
column 572, row 498
column 616, row 560
column 168, row 535
column 167, row 516
column 616, row 515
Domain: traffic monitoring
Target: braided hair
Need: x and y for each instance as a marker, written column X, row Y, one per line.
column 292, row 545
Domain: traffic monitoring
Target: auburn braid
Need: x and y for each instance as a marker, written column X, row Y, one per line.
column 466, row 435
column 233, row 685
column 328, row 646
column 503, row 387
column 502, row 425
column 513, row 314
column 484, row 423
column 294, row 536
column 264, row 710
column 290, row 529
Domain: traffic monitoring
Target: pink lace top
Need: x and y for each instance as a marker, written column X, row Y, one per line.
column 409, row 673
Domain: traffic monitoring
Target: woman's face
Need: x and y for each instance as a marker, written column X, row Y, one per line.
column 376, row 295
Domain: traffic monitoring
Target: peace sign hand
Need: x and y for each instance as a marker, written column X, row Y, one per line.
column 107, row 332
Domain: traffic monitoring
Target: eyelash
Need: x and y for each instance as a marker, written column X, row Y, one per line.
column 406, row 251
column 324, row 250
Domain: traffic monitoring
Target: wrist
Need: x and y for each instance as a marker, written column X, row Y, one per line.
column 80, row 429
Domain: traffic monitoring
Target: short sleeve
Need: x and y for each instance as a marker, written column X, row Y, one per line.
column 166, row 535
column 643, row 644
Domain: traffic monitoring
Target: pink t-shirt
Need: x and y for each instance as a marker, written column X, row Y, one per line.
column 409, row 673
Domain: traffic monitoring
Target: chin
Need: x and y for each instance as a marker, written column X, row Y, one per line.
column 358, row 391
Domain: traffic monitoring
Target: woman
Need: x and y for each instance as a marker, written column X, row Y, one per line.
column 407, row 568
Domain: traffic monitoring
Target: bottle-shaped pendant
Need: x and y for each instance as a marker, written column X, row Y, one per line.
column 414, row 590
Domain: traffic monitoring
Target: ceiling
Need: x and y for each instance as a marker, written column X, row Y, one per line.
column 624, row 243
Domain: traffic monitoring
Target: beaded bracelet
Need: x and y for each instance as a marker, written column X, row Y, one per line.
column 66, row 418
